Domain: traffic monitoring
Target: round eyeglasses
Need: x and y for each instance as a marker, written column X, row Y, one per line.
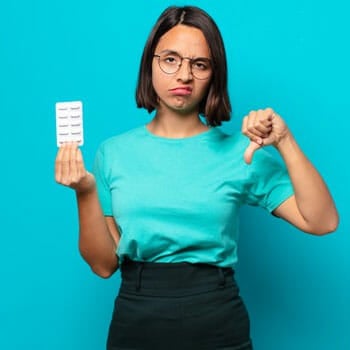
column 170, row 63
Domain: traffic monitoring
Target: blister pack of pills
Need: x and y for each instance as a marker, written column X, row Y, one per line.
column 69, row 122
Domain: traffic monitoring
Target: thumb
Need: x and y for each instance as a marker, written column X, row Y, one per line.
column 249, row 152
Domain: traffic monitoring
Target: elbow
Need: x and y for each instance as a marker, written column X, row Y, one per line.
column 329, row 227
column 104, row 268
column 334, row 226
column 101, row 263
column 104, row 273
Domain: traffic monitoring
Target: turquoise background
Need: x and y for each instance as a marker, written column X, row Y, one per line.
column 292, row 56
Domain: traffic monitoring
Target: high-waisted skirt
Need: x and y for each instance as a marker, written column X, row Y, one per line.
column 178, row 306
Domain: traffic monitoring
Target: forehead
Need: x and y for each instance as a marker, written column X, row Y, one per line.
column 187, row 41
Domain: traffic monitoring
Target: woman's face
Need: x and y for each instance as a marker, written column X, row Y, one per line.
column 181, row 91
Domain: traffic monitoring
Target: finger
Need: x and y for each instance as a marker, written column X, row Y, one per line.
column 244, row 124
column 247, row 132
column 250, row 122
column 65, row 163
column 261, row 128
column 58, row 166
column 250, row 150
column 251, row 136
column 264, row 121
column 80, row 164
column 59, row 163
column 257, row 125
column 269, row 112
column 73, row 169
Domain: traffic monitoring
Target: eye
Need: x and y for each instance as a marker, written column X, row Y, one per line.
column 171, row 59
column 200, row 65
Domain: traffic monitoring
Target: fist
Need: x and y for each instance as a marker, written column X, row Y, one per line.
column 70, row 170
column 263, row 127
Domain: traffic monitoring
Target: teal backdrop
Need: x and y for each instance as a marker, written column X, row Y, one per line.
column 292, row 56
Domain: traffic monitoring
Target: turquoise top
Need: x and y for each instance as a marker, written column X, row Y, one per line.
column 178, row 200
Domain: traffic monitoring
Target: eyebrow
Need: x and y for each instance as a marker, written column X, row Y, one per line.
column 166, row 51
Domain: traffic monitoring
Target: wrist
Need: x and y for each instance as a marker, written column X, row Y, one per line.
column 285, row 142
column 289, row 149
column 86, row 185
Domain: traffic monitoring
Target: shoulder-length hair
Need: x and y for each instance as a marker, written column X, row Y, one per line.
column 215, row 106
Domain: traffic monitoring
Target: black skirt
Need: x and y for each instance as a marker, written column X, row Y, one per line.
column 178, row 306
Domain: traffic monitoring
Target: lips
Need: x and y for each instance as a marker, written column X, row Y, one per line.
column 181, row 90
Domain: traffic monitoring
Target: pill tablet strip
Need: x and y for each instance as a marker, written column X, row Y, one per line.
column 69, row 122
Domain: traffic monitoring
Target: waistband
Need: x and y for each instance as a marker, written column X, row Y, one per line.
column 173, row 278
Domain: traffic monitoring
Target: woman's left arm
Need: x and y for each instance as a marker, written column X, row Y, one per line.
column 311, row 208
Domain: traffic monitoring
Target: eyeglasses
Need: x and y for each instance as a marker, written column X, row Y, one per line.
column 170, row 63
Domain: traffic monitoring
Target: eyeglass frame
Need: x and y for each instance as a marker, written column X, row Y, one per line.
column 191, row 60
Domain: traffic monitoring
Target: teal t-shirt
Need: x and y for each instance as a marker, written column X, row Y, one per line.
column 178, row 200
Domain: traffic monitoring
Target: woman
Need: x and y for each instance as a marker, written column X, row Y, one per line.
column 164, row 198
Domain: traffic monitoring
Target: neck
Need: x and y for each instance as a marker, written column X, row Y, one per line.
column 173, row 125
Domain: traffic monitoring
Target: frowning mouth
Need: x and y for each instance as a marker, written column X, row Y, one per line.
column 181, row 90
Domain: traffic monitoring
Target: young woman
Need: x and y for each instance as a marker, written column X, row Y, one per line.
column 163, row 201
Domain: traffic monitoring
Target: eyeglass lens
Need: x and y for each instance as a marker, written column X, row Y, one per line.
column 170, row 63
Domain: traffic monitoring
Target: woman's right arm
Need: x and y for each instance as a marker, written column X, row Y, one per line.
column 98, row 235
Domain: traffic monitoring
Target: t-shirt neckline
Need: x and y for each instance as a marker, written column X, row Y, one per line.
column 200, row 135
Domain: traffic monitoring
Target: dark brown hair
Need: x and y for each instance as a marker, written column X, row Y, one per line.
column 215, row 106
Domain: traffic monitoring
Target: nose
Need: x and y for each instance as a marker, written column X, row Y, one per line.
column 185, row 71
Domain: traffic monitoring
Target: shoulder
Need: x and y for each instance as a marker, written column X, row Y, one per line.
column 234, row 141
column 122, row 140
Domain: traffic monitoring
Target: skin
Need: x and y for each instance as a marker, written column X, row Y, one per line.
column 177, row 114
column 98, row 235
column 311, row 209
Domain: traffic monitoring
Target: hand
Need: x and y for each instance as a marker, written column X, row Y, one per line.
column 70, row 170
column 264, row 127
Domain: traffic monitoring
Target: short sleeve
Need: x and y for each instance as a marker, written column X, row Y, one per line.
column 269, row 184
column 103, row 188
